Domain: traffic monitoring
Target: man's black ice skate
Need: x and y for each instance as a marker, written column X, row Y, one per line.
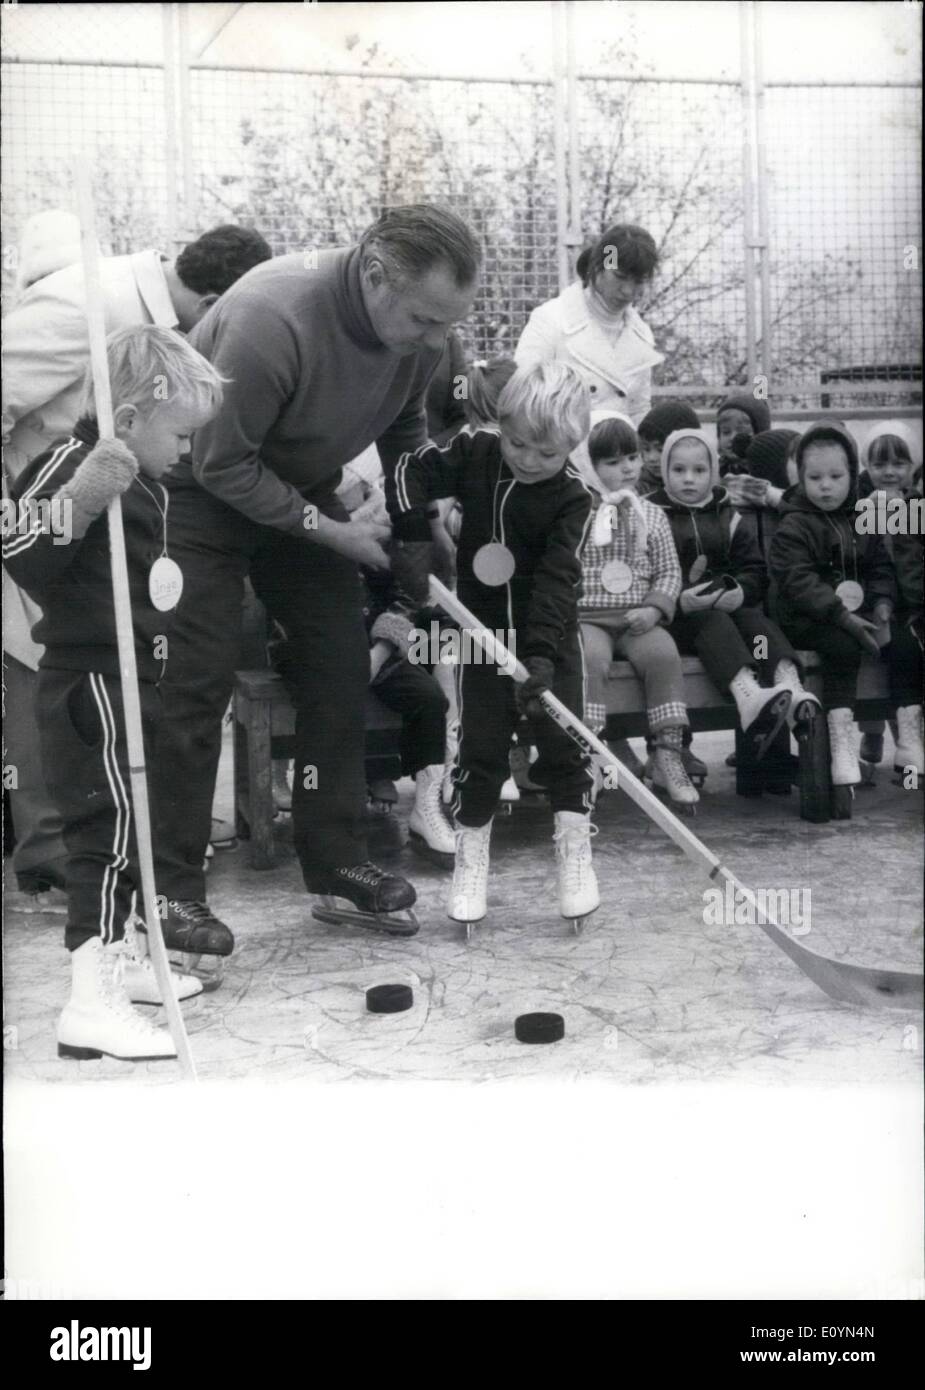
column 193, row 931
column 374, row 899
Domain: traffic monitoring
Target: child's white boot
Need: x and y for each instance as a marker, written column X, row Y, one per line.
column 846, row 771
column 98, row 1019
column 140, row 980
column 761, row 712
column 578, row 891
column 468, row 894
column 803, row 703
column 909, row 750
column 430, row 831
column 668, row 770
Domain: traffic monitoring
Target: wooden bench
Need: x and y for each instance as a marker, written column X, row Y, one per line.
column 708, row 709
column 264, row 729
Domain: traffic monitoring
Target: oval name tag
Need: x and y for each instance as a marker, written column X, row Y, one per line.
column 698, row 568
column 493, row 564
column 165, row 584
column 851, row 594
column 617, row 577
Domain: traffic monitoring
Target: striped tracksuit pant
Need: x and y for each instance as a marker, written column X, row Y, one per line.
column 86, row 768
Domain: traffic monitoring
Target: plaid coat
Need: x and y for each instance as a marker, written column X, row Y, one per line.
column 656, row 572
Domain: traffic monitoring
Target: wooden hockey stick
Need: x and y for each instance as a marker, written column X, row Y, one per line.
column 850, row 984
column 125, row 636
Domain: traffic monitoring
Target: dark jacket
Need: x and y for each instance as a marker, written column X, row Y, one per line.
column 446, row 413
column 542, row 524
column 73, row 581
column 814, row 551
column 725, row 536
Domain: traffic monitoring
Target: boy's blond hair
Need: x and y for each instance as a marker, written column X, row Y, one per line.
column 151, row 366
column 552, row 400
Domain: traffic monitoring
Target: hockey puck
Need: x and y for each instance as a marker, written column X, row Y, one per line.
column 389, row 999
column 539, row 1028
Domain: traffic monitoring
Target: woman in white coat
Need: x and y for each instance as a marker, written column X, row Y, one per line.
column 594, row 326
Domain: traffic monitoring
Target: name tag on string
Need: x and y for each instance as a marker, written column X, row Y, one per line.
column 493, row 564
column 617, row 577
column 851, row 594
column 165, row 584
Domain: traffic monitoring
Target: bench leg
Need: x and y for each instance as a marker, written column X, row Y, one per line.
column 240, row 780
column 749, row 775
column 815, row 769
column 260, row 786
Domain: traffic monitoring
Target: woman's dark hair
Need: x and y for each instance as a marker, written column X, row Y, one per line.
column 410, row 241
column 611, row 439
column 627, row 249
column 213, row 262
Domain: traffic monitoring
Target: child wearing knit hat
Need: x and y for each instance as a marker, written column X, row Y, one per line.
column 725, row 577
column 653, row 430
column 889, row 469
column 827, row 575
column 743, row 414
column 630, row 584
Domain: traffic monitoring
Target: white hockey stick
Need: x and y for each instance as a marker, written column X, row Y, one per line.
column 125, row 636
column 850, row 984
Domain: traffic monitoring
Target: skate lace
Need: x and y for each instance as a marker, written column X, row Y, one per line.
column 191, row 912
column 576, row 865
column 471, row 859
column 116, row 994
column 367, row 874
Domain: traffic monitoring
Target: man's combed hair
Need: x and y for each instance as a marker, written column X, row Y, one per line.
column 212, row 263
column 151, row 366
column 410, row 241
column 553, row 402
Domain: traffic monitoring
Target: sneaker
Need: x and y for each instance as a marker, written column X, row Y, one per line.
column 193, row 929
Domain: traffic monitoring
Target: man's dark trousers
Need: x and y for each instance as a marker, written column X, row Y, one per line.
column 315, row 594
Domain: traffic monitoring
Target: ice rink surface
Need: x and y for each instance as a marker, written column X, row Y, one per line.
column 650, row 993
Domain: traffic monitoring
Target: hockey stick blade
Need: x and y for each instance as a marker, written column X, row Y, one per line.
column 840, row 980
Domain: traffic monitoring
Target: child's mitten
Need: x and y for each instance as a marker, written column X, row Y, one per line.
column 108, row 470
column 863, row 632
column 395, row 628
column 541, row 671
column 411, row 562
column 699, row 598
column 729, row 594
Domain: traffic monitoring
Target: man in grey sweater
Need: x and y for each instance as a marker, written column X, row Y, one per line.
column 326, row 352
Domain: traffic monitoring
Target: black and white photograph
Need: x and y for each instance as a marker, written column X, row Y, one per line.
column 463, row 634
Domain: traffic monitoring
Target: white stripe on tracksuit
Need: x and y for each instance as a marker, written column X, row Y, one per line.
column 21, row 543
column 122, row 805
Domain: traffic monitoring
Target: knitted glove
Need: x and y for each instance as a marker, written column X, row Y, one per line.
column 730, row 596
column 395, row 628
column 699, row 598
column 863, row 632
column 411, row 563
column 108, row 470
column 541, row 671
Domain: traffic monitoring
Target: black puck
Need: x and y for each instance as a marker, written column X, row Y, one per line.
column 539, row 1028
column 389, row 999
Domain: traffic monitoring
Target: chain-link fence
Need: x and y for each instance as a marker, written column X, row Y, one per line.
column 310, row 158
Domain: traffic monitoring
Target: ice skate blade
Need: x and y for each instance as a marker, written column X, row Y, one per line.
column 327, row 910
column 208, row 970
column 578, row 923
column 93, row 1054
column 426, row 851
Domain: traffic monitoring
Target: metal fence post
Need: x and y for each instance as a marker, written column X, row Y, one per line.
column 559, row 151
column 764, row 231
column 573, row 238
column 189, row 219
column 170, row 119
column 748, row 143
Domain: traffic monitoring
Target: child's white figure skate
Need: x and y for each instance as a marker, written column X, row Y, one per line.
column 803, row 703
column 468, row 894
column 429, row 831
column 668, row 772
column 909, row 752
column 509, row 793
column 139, row 978
column 843, row 748
column 98, row 1020
column 761, row 712
column 578, row 891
